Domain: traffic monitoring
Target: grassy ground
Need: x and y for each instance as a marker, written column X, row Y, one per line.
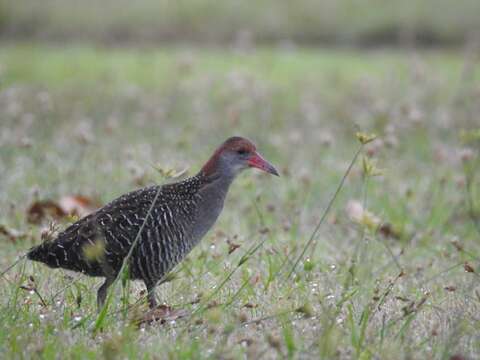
column 80, row 120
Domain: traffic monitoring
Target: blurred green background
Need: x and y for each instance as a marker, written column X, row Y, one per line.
column 354, row 22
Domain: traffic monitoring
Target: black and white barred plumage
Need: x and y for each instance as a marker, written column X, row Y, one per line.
column 181, row 214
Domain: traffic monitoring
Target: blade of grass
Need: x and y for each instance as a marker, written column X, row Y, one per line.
column 325, row 213
column 103, row 312
column 2, row 274
column 245, row 257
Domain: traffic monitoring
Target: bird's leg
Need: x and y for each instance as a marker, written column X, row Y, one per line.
column 152, row 300
column 102, row 291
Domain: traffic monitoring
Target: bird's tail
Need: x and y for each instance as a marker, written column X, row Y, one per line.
column 44, row 254
column 37, row 253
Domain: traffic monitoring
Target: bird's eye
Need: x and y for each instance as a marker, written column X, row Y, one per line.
column 241, row 151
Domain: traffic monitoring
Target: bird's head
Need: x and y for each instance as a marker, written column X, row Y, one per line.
column 233, row 156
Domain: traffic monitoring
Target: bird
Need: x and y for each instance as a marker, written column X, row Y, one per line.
column 153, row 228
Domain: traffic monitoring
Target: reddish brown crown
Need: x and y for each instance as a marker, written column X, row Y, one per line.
column 235, row 143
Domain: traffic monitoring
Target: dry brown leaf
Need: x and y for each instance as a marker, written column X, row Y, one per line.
column 73, row 205
column 388, row 231
column 12, row 234
column 255, row 279
column 40, row 210
column 213, row 304
column 468, row 268
column 232, row 246
column 161, row 314
column 264, row 230
column 78, row 205
column 457, row 244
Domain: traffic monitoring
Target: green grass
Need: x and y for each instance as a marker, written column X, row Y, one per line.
column 82, row 120
column 86, row 66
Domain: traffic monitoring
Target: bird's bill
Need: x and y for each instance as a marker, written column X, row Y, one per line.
column 257, row 161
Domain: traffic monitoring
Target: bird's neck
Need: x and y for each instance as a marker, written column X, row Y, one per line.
column 216, row 183
column 217, row 177
column 212, row 194
column 211, row 167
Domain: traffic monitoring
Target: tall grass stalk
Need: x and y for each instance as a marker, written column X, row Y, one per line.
column 325, row 213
